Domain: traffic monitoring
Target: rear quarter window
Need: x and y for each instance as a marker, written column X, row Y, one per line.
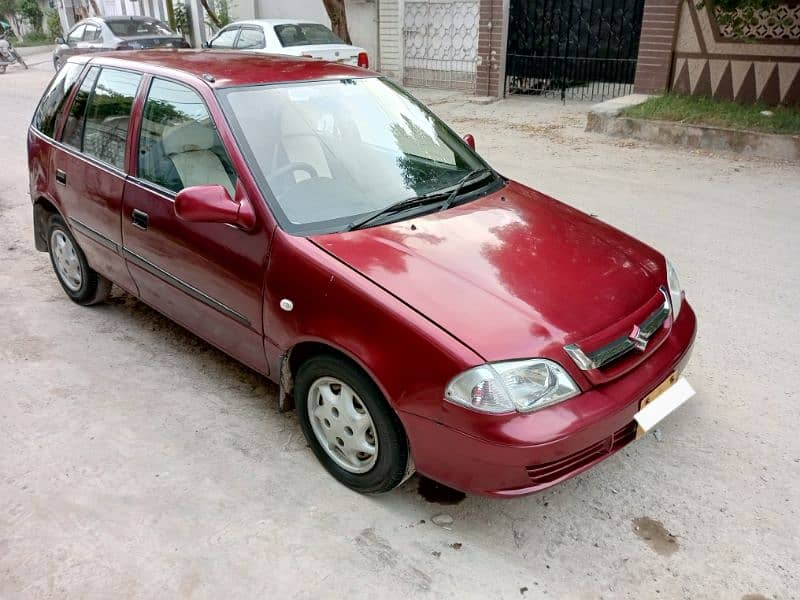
column 48, row 113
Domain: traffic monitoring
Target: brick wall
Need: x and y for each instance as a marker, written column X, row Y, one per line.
column 489, row 76
column 656, row 45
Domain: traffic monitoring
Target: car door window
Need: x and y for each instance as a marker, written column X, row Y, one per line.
column 73, row 128
column 76, row 35
column 225, row 39
column 91, row 33
column 251, row 39
column 52, row 104
column 108, row 115
column 179, row 145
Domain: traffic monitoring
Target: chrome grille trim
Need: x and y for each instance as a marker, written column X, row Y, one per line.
column 637, row 339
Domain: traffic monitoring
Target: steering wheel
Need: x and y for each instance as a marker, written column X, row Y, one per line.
column 292, row 167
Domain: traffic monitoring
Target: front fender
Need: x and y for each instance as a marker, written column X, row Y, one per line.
column 409, row 357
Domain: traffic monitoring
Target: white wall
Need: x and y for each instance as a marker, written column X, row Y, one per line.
column 312, row 10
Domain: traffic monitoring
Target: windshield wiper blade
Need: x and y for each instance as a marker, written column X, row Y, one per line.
column 393, row 208
column 415, row 201
column 461, row 183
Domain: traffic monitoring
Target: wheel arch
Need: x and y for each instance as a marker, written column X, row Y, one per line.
column 303, row 350
column 43, row 209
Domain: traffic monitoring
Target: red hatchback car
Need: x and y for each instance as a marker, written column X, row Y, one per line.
column 421, row 311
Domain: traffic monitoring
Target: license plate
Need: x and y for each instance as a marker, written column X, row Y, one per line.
column 668, row 396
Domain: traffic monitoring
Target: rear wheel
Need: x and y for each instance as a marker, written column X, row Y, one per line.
column 81, row 283
column 349, row 425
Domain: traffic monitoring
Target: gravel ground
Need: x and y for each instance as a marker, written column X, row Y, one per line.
column 137, row 461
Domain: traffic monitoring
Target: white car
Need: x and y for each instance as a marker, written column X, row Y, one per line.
column 290, row 37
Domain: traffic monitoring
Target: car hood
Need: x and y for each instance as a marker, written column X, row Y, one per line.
column 515, row 274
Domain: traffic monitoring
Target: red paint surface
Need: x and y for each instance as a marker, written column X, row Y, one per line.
column 512, row 275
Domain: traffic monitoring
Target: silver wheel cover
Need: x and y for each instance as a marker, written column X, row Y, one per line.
column 66, row 260
column 342, row 425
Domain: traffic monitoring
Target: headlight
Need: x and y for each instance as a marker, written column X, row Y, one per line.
column 519, row 385
column 675, row 291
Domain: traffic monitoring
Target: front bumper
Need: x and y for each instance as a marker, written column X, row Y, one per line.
column 521, row 454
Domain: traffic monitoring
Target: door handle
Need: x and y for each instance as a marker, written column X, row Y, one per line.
column 61, row 177
column 139, row 219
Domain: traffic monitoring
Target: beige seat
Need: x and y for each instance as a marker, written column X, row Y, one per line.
column 189, row 146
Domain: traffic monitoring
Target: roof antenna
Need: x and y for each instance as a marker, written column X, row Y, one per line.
column 209, row 78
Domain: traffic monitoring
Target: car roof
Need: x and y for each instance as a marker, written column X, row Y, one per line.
column 226, row 68
column 273, row 22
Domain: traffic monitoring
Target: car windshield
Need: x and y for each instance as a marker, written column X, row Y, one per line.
column 328, row 152
column 305, row 34
column 136, row 27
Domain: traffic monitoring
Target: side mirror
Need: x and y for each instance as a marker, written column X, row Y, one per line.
column 60, row 41
column 213, row 204
column 470, row 139
column 206, row 44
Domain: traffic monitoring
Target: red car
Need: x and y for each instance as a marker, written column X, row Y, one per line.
column 420, row 310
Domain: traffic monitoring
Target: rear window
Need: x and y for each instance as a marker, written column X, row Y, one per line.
column 52, row 103
column 305, row 34
column 137, row 27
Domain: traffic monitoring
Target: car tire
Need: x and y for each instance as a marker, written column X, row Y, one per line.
column 367, row 417
column 57, row 64
column 81, row 283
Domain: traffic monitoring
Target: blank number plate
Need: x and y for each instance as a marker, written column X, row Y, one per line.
column 662, row 401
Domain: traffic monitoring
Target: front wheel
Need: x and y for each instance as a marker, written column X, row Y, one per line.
column 349, row 425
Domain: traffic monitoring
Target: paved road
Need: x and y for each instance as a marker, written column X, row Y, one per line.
column 136, row 461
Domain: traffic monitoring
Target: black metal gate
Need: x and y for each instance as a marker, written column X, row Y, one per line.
column 573, row 48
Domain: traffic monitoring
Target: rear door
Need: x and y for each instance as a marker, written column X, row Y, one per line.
column 251, row 37
column 92, row 39
column 207, row 276
column 89, row 166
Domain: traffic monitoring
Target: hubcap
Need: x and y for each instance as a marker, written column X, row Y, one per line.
column 66, row 260
column 342, row 425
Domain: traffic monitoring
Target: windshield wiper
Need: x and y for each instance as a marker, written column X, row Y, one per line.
column 461, row 183
column 415, row 201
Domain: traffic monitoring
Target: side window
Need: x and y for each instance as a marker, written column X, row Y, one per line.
column 251, row 39
column 52, row 103
column 73, row 128
column 179, row 145
column 225, row 39
column 76, row 35
column 91, row 34
column 108, row 115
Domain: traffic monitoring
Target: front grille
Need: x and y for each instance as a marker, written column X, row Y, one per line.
column 616, row 350
column 557, row 469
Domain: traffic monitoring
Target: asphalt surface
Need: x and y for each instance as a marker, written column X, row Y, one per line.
column 138, row 462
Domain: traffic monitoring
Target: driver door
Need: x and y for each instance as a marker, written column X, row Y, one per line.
column 206, row 276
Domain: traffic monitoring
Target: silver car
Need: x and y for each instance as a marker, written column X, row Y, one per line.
column 98, row 34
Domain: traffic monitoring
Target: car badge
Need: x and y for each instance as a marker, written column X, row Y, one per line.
column 638, row 338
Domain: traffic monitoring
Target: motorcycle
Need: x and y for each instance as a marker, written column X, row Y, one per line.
column 8, row 56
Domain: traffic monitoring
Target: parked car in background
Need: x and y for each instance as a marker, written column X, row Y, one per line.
column 322, row 226
column 101, row 34
column 290, row 37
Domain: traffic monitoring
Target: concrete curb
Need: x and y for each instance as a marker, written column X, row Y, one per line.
column 604, row 118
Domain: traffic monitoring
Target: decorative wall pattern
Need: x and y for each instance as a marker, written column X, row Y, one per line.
column 441, row 43
column 779, row 23
column 705, row 63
